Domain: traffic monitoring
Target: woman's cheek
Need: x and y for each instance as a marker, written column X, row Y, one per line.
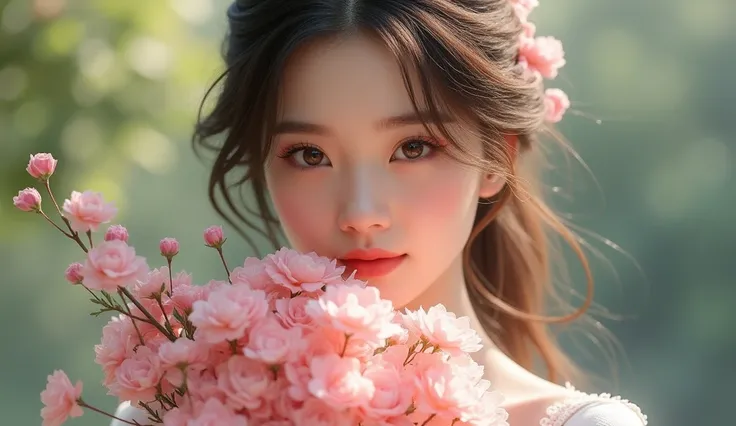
column 302, row 211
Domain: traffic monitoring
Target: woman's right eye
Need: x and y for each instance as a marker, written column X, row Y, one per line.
column 306, row 156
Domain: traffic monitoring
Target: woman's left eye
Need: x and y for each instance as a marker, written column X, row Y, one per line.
column 414, row 149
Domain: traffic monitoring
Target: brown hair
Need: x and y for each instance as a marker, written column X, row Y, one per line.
column 462, row 54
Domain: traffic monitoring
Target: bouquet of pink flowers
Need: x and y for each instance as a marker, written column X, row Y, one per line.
column 284, row 340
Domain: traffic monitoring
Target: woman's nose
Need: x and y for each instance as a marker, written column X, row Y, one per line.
column 365, row 207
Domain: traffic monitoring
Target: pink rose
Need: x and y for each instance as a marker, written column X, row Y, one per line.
column 214, row 413
column 443, row 330
column 292, row 311
column 544, row 55
column 338, row 381
column 252, row 273
column 244, row 382
column 227, row 313
column 169, row 247
column 213, row 236
column 73, row 273
column 27, row 200
column 86, row 211
column 119, row 339
column 317, row 413
column 137, row 376
column 154, row 285
column 393, row 392
column 556, row 104
column 60, row 399
column 41, row 166
column 204, row 385
column 357, row 311
column 185, row 294
column 182, row 356
column 116, row 232
column 271, row 343
column 113, row 264
column 302, row 272
column 176, row 417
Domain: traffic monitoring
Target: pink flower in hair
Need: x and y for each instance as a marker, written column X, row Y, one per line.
column 543, row 55
column 60, row 399
column 87, row 210
column 556, row 104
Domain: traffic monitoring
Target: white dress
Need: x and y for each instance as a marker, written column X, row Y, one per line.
column 581, row 409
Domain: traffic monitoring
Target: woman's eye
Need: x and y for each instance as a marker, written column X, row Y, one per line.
column 413, row 150
column 306, row 157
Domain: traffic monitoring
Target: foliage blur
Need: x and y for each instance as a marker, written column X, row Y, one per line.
column 112, row 88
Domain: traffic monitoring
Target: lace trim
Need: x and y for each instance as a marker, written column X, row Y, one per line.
column 559, row 413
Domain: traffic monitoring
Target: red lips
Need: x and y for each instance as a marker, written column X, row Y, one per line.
column 371, row 263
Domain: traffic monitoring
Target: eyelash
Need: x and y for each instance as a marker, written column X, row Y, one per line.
column 288, row 152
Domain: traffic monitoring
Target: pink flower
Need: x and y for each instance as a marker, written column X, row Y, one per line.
column 393, row 391
column 86, row 211
column 271, row 343
column 137, row 377
column 317, row 413
column 543, row 55
column 203, row 386
column 116, row 232
column 113, row 264
column 60, row 399
column 169, row 247
column 357, row 311
column 292, row 311
column 524, row 7
column 28, row 200
column 302, row 272
column 41, row 166
column 73, row 273
column 180, row 356
column 556, row 104
column 227, row 313
column 213, row 237
column 338, row 381
column 119, row 339
column 252, row 273
column 214, row 413
column 443, row 330
column 154, row 285
column 244, row 382
column 176, row 417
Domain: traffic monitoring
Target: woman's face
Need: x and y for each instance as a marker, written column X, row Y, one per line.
column 354, row 175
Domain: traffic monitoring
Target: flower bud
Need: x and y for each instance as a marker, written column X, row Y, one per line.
column 213, row 237
column 169, row 247
column 116, row 232
column 28, row 200
column 41, row 166
column 73, row 273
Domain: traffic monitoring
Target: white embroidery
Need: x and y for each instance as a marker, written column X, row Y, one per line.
column 559, row 413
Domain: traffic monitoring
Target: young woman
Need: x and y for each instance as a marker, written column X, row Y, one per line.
column 399, row 136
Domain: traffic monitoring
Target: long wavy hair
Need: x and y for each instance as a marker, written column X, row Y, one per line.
column 465, row 55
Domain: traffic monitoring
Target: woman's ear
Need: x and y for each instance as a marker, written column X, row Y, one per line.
column 492, row 183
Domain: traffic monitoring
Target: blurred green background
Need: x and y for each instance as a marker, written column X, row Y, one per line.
column 111, row 88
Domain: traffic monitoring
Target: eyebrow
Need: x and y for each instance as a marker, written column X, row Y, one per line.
column 407, row 119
